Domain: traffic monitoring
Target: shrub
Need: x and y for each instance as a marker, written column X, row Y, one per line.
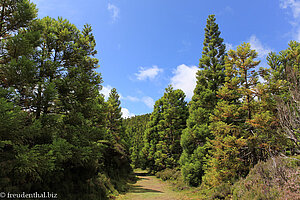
column 168, row 174
column 278, row 178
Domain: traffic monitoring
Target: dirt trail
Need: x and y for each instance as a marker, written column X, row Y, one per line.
column 150, row 188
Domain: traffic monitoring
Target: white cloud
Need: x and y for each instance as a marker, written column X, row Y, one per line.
column 292, row 4
column 148, row 101
column 297, row 36
column 261, row 79
column 294, row 7
column 185, row 79
column 114, row 10
column 149, row 73
column 226, row 10
column 185, row 46
column 130, row 98
column 261, row 49
column 105, row 91
column 126, row 113
column 229, row 46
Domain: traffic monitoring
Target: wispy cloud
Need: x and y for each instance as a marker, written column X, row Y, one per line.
column 293, row 7
column 185, row 46
column 114, row 11
column 225, row 10
column 229, row 46
column 228, row 9
column 106, row 90
column 148, row 101
column 185, row 79
column 149, row 73
column 131, row 98
column 261, row 49
column 297, row 34
column 126, row 113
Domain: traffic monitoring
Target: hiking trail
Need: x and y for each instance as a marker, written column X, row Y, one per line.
column 148, row 187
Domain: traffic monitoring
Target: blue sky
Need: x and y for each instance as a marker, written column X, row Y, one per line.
column 145, row 45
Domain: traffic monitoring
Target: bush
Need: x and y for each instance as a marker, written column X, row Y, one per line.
column 277, row 178
column 174, row 177
column 168, row 174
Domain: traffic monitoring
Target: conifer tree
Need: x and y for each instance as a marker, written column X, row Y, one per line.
column 114, row 115
column 135, row 130
column 50, row 97
column 162, row 137
column 209, row 78
column 15, row 14
column 232, row 154
column 282, row 86
column 151, row 136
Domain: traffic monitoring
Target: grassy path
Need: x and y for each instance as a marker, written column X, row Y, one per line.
column 150, row 187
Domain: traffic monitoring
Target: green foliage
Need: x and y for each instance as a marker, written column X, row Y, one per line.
column 15, row 14
column 283, row 82
column 244, row 122
column 114, row 116
column 168, row 174
column 230, row 156
column 58, row 134
column 53, row 134
column 135, row 129
column 209, row 78
column 162, row 137
column 222, row 191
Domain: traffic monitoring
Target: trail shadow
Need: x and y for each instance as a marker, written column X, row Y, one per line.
column 140, row 189
column 142, row 174
column 141, row 178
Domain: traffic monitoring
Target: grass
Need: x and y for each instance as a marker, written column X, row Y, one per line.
column 150, row 187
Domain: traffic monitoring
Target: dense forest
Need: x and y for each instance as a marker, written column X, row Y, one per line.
column 238, row 137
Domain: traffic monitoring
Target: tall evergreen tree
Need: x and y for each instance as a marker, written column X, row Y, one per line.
column 114, row 116
column 162, row 136
column 210, row 77
column 50, row 97
column 135, row 130
column 232, row 153
column 244, row 123
column 15, row 14
column 282, row 84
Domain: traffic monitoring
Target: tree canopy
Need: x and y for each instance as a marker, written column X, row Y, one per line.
column 238, row 138
column 210, row 77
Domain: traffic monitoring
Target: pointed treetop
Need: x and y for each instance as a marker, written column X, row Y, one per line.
column 213, row 47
